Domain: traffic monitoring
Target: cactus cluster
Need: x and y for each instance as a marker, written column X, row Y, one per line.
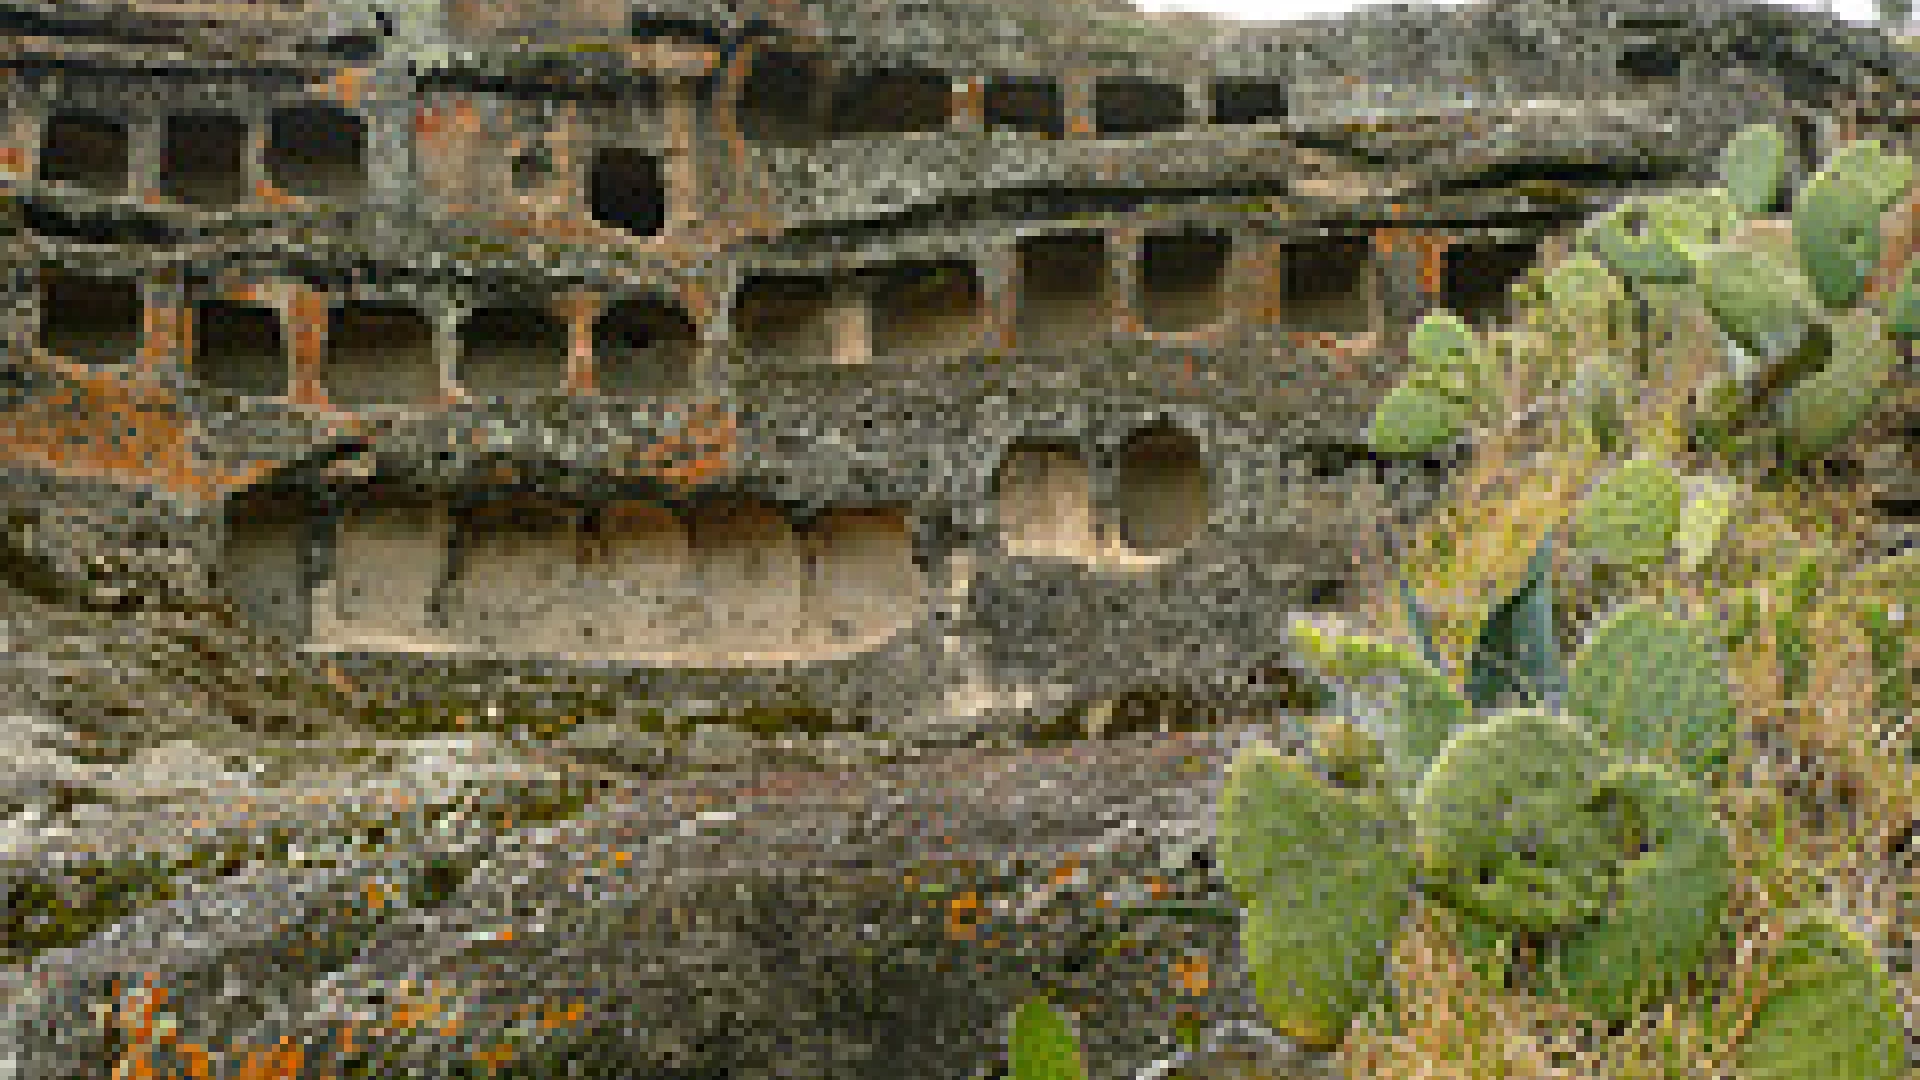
column 1571, row 809
column 1806, row 349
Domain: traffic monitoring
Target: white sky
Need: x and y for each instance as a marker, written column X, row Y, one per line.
column 1858, row 10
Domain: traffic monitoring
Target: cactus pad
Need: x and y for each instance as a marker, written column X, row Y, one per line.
column 1903, row 309
column 1762, row 304
column 1421, row 712
column 1505, row 822
column 1753, row 165
column 1416, row 419
column 1830, row 1010
column 1648, row 239
column 1836, row 223
column 1710, row 503
column 1325, row 879
column 1886, row 175
column 1648, row 683
column 1670, row 903
column 1632, row 515
column 1820, row 411
column 1586, row 295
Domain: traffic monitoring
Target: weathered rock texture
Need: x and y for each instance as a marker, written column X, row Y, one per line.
column 602, row 533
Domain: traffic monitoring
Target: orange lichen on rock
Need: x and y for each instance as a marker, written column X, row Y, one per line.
column 1429, row 250
column 110, row 425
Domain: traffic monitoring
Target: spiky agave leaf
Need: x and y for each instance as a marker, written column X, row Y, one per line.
column 1325, row 878
column 1506, row 822
column 1829, row 1011
column 1517, row 654
column 1670, row 902
column 1648, row 684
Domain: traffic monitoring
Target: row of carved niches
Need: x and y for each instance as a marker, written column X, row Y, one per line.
column 210, row 159
column 1160, row 498
column 736, row 582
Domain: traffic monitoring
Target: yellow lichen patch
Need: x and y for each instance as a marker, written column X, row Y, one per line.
column 963, row 915
column 1190, row 974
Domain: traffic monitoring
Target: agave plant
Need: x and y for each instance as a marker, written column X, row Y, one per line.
column 1565, row 805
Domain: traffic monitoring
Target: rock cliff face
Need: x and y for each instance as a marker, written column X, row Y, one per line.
column 724, row 538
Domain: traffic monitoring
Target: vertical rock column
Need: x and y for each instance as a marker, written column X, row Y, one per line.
column 1000, row 279
column 1123, row 264
column 850, row 319
column 146, row 139
column 1076, row 100
column 166, row 338
column 682, row 163
column 969, row 106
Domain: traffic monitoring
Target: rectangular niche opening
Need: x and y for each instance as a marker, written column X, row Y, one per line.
column 512, row 350
column 238, row 348
column 891, row 102
column 516, row 585
column 926, row 309
column 627, row 190
column 1327, row 286
column 1183, row 280
column 785, row 316
column 389, row 562
column 317, row 151
column 263, row 568
column 90, row 319
column 1477, row 277
column 783, row 101
column 380, row 354
column 200, row 159
column 1133, row 106
column 644, row 344
column 1249, row 101
column 1064, row 295
column 1032, row 105
column 85, row 150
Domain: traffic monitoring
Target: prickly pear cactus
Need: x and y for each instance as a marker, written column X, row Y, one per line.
column 1632, row 515
column 1325, row 880
column 1818, row 413
column 1830, row 1010
column 1415, row 715
column 1448, row 358
column 1650, row 684
column 1763, row 304
column 1506, row 824
column 1837, row 219
column 1704, row 518
column 1753, row 166
column 1670, row 900
column 1414, row 419
column 1648, row 239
